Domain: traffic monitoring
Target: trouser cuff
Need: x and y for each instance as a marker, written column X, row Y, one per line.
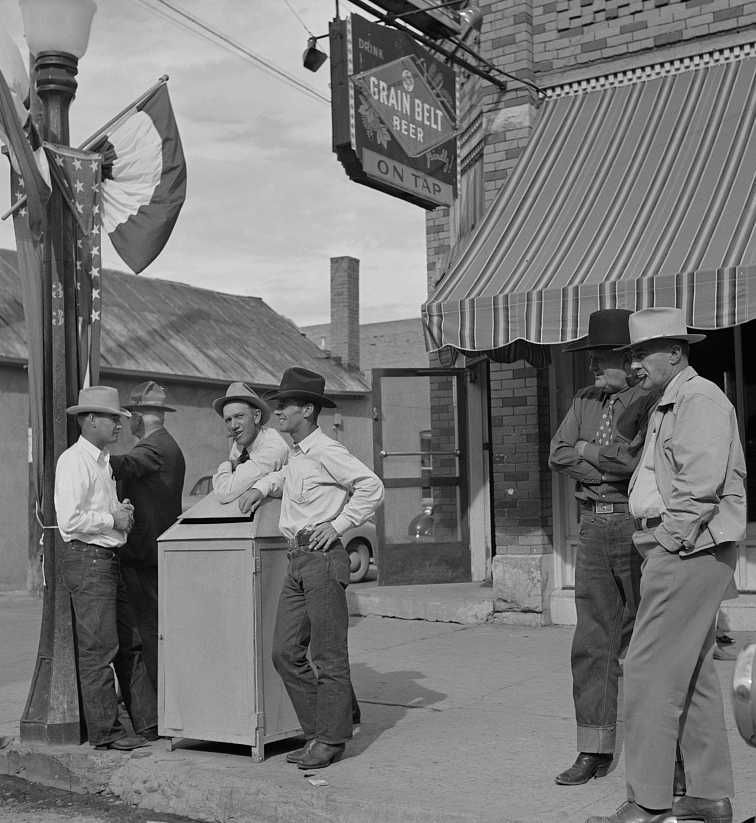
column 596, row 739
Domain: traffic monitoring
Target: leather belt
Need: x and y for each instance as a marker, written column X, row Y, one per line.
column 600, row 507
column 647, row 523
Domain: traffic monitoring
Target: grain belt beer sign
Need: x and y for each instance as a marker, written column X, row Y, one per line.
column 394, row 110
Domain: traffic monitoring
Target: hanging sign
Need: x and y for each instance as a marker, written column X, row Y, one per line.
column 393, row 106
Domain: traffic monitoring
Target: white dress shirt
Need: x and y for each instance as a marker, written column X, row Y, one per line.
column 85, row 496
column 267, row 453
column 322, row 483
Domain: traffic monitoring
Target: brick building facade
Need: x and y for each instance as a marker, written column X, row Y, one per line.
column 551, row 44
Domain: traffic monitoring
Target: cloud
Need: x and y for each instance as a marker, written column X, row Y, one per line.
column 268, row 203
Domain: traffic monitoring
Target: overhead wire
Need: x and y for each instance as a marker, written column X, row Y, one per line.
column 203, row 29
column 296, row 14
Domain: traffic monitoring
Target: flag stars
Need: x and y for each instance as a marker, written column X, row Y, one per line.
column 24, row 212
column 95, row 316
column 59, row 160
column 95, row 294
column 94, row 272
column 79, row 186
column 94, row 165
column 77, row 163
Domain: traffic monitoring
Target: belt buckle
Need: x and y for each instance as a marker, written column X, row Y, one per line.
column 604, row 508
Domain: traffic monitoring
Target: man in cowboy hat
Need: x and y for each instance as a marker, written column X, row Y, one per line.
column 325, row 491
column 597, row 445
column 255, row 450
column 688, row 498
column 93, row 526
column 151, row 475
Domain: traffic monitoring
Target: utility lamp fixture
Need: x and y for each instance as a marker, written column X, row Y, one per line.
column 57, row 25
column 313, row 58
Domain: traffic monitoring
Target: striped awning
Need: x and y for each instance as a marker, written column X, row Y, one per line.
column 640, row 193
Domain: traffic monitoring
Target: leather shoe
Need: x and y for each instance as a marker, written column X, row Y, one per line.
column 700, row 808
column 297, row 755
column 585, row 767
column 321, row 755
column 124, row 744
column 633, row 813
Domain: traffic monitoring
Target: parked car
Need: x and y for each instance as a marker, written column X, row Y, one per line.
column 359, row 542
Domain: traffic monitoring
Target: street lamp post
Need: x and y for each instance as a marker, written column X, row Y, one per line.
column 57, row 32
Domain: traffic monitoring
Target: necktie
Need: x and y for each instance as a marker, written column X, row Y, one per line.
column 243, row 457
column 604, row 433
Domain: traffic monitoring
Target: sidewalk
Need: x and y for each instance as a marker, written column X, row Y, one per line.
column 461, row 724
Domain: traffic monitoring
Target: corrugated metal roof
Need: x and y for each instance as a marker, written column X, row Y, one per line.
column 171, row 329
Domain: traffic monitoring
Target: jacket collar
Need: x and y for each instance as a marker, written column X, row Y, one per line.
column 671, row 392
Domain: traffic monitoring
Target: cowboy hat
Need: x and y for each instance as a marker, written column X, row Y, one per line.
column 99, row 399
column 664, row 323
column 607, row 329
column 148, row 395
column 242, row 393
column 302, row 384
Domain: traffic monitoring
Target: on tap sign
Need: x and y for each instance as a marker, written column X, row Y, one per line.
column 393, row 108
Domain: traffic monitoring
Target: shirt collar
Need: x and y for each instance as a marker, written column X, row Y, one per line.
column 99, row 456
column 308, row 442
column 673, row 387
column 623, row 395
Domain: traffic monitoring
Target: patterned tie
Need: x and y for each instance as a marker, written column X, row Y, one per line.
column 604, row 433
column 243, row 457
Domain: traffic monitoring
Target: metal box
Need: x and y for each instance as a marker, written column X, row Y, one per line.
column 220, row 576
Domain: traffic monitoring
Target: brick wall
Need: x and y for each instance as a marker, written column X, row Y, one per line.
column 345, row 310
column 521, row 477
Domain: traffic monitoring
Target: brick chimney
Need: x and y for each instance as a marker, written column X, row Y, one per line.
column 345, row 311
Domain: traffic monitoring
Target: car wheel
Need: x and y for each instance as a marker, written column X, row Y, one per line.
column 359, row 560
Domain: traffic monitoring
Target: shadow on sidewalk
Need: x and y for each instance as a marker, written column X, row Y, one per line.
column 385, row 698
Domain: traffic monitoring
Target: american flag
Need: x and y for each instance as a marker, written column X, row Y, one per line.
column 78, row 175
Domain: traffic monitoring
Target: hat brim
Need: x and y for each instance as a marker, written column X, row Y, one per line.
column 687, row 338
column 86, row 408
column 250, row 401
column 584, row 344
column 135, row 407
column 275, row 396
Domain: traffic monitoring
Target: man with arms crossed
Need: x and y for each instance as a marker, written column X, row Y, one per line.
column 688, row 497
column 325, row 490
column 94, row 525
column 255, row 450
column 598, row 445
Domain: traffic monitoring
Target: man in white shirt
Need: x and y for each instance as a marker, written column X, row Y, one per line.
column 325, row 490
column 255, row 450
column 94, row 525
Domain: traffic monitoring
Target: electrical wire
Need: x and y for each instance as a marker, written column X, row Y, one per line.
column 296, row 14
column 202, row 29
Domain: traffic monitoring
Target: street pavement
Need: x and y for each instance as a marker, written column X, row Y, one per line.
column 461, row 724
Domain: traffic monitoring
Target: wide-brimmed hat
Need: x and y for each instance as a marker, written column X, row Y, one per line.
column 147, row 396
column 607, row 329
column 100, row 399
column 665, row 323
column 242, row 393
column 301, row 383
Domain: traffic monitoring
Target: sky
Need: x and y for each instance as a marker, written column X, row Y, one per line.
column 268, row 204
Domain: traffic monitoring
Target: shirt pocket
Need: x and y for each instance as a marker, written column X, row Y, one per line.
column 305, row 485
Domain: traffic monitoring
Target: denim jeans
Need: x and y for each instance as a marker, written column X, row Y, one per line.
column 142, row 591
column 105, row 633
column 312, row 613
column 607, row 591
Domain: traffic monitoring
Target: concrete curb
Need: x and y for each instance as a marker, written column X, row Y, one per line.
column 208, row 787
column 467, row 603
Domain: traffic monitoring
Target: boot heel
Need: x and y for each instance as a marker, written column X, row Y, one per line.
column 601, row 771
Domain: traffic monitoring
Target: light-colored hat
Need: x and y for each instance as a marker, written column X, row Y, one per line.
column 148, row 395
column 665, row 323
column 242, row 393
column 102, row 399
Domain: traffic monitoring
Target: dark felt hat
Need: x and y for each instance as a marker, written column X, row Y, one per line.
column 301, row 383
column 607, row 329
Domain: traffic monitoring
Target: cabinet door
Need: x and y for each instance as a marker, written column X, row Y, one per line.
column 207, row 684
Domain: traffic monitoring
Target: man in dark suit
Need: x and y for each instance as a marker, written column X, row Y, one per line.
column 151, row 476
